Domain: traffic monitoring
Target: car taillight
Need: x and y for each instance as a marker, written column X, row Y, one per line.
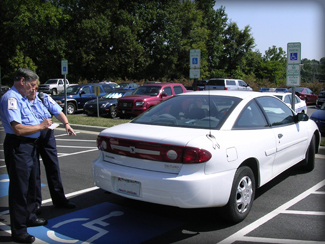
column 153, row 151
column 226, row 88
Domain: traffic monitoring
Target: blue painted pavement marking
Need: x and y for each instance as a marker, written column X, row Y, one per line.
column 104, row 223
column 4, row 185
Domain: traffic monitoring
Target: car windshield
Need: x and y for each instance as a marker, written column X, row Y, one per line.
column 192, row 111
column 147, row 90
column 51, row 82
column 71, row 90
column 122, row 86
column 113, row 95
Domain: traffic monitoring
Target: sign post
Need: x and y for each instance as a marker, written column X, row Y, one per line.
column 97, row 93
column 64, row 71
column 293, row 67
column 195, row 63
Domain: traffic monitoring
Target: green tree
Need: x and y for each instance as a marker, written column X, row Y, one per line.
column 32, row 28
column 237, row 45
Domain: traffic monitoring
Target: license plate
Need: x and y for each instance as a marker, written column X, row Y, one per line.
column 129, row 187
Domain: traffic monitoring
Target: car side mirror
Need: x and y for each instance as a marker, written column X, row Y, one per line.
column 301, row 117
column 164, row 94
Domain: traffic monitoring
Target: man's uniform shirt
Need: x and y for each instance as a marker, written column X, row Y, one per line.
column 15, row 107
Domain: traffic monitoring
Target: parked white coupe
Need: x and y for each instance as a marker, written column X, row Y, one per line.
column 205, row 149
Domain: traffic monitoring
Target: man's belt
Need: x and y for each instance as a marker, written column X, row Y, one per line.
column 22, row 138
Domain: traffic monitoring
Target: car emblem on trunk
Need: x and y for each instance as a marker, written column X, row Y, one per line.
column 132, row 149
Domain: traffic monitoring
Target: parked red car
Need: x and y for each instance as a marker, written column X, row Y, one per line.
column 306, row 94
column 146, row 96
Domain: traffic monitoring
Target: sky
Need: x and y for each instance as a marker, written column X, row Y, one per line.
column 279, row 22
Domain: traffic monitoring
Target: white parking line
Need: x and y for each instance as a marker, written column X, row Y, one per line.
column 240, row 235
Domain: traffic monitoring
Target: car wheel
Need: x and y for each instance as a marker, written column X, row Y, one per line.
column 112, row 112
column 54, row 92
column 71, row 108
column 308, row 164
column 241, row 196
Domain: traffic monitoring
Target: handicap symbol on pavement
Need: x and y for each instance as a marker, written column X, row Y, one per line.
column 104, row 223
column 4, row 184
column 293, row 56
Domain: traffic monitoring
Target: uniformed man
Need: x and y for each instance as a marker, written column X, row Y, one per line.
column 44, row 107
column 22, row 131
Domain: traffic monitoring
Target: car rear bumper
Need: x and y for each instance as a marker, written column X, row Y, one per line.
column 196, row 190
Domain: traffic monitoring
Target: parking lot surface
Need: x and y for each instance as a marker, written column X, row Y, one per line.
column 289, row 209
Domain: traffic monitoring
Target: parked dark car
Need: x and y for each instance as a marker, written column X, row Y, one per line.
column 106, row 104
column 4, row 89
column 320, row 99
column 305, row 94
column 77, row 95
column 319, row 117
column 198, row 85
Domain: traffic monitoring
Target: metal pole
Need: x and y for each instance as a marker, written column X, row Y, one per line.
column 97, row 108
column 293, row 98
column 65, row 95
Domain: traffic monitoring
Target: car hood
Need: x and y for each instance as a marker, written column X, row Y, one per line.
column 102, row 101
column 156, row 134
column 134, row 97
column 318, row 114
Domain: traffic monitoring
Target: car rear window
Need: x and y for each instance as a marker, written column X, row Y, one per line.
column 216, row 82
column 178, row 89
column 199, row 111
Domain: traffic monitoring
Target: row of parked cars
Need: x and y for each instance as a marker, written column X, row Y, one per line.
column 128, row 100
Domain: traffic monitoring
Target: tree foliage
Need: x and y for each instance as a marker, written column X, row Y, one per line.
column 133, row 40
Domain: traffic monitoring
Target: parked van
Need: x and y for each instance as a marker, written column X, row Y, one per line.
column 227, row 84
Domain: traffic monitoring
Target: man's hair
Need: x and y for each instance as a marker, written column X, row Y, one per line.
column 26, row 73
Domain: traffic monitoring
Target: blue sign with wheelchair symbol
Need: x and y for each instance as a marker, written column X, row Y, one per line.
column 293, row 56
column 104, row 223
column 195, row 61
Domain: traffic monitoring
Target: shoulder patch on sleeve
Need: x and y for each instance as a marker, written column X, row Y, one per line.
column 51, row 100
column 12, row 103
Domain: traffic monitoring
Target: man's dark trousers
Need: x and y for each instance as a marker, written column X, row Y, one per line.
column 48, row 152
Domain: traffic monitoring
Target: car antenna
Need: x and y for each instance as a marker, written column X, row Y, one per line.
column 211, row 137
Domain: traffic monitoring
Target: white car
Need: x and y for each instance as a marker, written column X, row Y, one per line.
column 286, row 97
column 205, row 149
column 300, row 105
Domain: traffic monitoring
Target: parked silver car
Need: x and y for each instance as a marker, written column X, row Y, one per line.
column 227, row 84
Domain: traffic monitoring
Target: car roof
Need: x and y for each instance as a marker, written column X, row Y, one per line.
column 121, row 90
column 161, row 84
column 239, row 94
column 92, row 84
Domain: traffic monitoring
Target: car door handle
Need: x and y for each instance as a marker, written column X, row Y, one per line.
column 280, row 136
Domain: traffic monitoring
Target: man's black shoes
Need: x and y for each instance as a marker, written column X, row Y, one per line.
column 24, row 238
column 37, row 210
column 68, row 205
column 37, row 222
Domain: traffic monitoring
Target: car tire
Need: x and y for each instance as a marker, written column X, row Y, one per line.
column 241, row 196
column 112, row 112
column 71, row 108
column 308, row 164
column 54, row 92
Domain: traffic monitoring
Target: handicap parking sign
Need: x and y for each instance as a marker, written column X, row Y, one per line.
column 104, row 223
column 293, row 56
